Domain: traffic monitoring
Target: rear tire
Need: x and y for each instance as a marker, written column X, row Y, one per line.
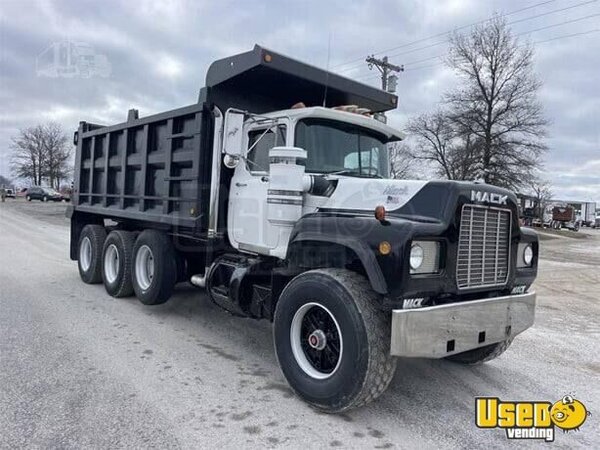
column 331, row 340
column 89, row 258
column 480, row 355
column 117, row 255
column 154, row 267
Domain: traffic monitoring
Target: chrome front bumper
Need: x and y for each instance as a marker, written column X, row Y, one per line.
column 439, row 331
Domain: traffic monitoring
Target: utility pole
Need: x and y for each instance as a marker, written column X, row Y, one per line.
column 388, row 81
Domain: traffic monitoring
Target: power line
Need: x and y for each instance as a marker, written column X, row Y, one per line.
column 466, row 26
column 445, row 32
column 564, row 36
column 568, row 36
column 589, row 16
column 579, row 19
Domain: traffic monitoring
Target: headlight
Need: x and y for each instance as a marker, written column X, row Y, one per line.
column 424, row 257
column 416, row 256
column 528, row 255
column 525, row 255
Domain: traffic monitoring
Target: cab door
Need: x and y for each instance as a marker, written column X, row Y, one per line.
column 248, row 227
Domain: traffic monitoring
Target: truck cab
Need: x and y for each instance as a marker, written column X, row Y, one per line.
column 340, row 148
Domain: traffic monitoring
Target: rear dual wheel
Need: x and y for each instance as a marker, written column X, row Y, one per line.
column 116, row 263
column 146, row 265
column 154, row 271
column 89, row 261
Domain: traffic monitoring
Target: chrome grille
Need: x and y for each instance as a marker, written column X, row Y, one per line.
column 483, row 247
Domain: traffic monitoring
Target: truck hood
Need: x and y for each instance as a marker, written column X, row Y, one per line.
column 437, row 200
column 364, row 194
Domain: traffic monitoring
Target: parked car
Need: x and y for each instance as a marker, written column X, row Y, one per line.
column 44, row 194
column 10, row 193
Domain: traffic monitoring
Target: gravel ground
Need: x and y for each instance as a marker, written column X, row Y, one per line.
column 79, row 369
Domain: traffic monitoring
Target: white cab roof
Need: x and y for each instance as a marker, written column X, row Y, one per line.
column 318, row 112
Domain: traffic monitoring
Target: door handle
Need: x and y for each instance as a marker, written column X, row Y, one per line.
column 238, row 184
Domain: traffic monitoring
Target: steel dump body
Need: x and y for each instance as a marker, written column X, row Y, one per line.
column 158, row 169
column 151, row 169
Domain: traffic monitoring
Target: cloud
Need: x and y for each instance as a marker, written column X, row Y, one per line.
column 159, row 52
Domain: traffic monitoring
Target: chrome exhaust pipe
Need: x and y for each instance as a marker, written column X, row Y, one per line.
column 199, row 280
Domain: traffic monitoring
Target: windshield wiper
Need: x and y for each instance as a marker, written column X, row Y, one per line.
column 354, row 173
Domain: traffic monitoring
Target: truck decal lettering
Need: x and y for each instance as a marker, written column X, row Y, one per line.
column 488, row 197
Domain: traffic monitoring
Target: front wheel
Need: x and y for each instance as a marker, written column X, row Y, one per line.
column 28, row 198
column 480, row 355
column 44, row 198
column 331, row 340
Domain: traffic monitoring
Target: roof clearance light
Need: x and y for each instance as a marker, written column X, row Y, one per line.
column 268, row 58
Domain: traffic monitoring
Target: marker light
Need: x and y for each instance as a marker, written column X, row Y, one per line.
column 380, row 213
column 385, row 247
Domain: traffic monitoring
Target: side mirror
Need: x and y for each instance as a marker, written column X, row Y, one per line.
column 233, row 133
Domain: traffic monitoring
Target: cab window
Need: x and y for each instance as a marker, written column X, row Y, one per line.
column 260, row 143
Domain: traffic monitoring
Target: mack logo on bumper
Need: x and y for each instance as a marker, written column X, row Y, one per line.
column 410, row 303
column 488, row 197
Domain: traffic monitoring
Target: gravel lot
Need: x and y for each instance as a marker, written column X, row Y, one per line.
column 80, row 369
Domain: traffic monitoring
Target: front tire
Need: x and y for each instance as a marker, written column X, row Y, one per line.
column 331, row 340
column 44, row 199
column 154, row 272
column 89, row 259
column 28, row 198
column 117, row 256
column 480, row 355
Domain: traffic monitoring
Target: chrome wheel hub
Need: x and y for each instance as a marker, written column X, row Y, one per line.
column 144, row 267
column 111, row 263
column 317, row 340
column 85, row 254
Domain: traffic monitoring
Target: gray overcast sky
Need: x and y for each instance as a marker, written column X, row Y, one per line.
column 159, row 52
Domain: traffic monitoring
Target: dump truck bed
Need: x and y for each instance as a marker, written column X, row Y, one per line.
column 151, row 169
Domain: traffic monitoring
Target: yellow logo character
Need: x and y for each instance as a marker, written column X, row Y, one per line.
column 568, row 413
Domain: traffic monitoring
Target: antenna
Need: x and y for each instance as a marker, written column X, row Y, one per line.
column 327, row 74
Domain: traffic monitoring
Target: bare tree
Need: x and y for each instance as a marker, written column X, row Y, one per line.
column 41, row 152
column 542, row 193
column 28, row 158
column 401, row 160
column 444, row 142
column 497, row 102
column 58, row 154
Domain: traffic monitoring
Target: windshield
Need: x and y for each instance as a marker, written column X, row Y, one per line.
column 338, row 147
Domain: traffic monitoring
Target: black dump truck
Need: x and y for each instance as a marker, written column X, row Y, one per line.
column 272, row 193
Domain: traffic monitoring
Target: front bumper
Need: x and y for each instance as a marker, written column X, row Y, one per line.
column 440, row 331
